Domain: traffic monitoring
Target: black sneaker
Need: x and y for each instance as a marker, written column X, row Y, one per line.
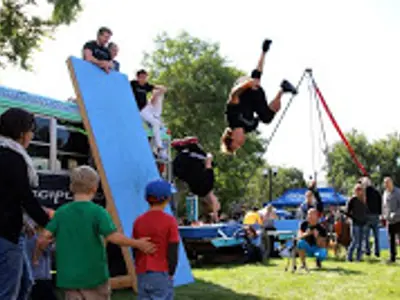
column 266, row 44
column 287, row 87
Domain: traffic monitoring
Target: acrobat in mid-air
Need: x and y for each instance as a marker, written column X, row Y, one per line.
column 194, row 166
column 247, row 99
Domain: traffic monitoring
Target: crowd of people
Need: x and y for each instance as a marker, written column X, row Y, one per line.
column 366, row 211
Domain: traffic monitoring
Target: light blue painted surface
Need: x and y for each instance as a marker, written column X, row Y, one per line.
column 122, row 145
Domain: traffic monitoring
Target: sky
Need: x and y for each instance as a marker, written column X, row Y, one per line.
column 353, row 47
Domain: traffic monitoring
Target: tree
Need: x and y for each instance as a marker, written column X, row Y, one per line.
column 199, row 80
column 21, row 32
column 343, row 173
column 378, row 157
column 283, row 180
column 387, row 154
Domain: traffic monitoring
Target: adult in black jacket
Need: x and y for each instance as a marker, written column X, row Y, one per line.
column 17, row 176
column 374, row 204
column 194, row 166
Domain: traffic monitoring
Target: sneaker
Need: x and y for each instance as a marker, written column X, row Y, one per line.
column 266, row 45
column 287, row 87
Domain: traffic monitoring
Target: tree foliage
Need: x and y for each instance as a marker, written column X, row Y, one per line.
column 378, row 157
column 199, row 80
column 22, row 32
column 283, row 179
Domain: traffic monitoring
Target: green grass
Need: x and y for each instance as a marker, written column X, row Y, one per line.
column 370, row 279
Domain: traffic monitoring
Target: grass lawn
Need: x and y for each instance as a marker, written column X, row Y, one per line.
column 371, row 279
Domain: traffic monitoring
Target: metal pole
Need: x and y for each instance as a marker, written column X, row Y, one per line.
column 270, row 184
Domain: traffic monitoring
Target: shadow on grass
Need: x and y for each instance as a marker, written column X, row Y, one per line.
column 209, row 266
column 199, row 290
column 342, row 271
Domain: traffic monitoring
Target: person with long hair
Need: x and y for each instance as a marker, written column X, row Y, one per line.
column 17, row 177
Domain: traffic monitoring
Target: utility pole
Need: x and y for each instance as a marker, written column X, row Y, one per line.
column 270, row 184
column 272, row 172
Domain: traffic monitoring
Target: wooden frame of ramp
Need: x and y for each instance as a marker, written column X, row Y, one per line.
column 119, row 282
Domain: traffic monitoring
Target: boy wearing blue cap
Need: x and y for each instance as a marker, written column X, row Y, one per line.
column 155, row 272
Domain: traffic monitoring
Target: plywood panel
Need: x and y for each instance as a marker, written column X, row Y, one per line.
column 120, row 148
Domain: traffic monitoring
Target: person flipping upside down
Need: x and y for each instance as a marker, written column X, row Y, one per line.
column 246, row 98
column 194, row 166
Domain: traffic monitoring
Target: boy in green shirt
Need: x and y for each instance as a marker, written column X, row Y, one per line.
column 79, row 228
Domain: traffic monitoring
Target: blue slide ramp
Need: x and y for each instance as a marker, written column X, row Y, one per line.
column 120, row 148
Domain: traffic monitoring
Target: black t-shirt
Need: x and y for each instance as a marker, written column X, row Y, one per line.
column 98, row 52
column 140, row 92
column 311, row 238
column 242, row 115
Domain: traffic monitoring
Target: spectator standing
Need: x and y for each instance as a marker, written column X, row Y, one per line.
column 156, row 271
column 357, row 211
column 391, row 212
column 374, row 204
column 17, row 177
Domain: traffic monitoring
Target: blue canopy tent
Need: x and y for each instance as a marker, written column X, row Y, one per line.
column 283, row 214
column 294, row 197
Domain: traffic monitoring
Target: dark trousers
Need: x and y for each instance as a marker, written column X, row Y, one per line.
column 43, row 290
column 394, row 231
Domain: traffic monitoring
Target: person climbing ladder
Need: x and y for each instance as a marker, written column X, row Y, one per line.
column 247, row 98
column 194, row 166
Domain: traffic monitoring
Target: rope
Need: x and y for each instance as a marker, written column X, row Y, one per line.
column 339, row 131
column 312, row 131
column 321, row 122
column 268, row 142
column 325, row 149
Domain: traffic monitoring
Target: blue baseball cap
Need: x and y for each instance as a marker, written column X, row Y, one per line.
column 160, row 189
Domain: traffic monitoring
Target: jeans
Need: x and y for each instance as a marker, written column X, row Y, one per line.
column 312, row 251
column 15, row 275
column 155, row 286
column 372, row 223
column 357, row 233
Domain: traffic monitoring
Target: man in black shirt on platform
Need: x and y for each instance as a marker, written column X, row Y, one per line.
column 97, row 52
column 312, row 239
